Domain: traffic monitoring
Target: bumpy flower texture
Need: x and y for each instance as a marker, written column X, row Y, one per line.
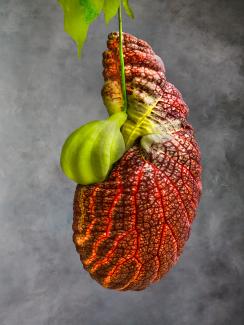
column 131, row 229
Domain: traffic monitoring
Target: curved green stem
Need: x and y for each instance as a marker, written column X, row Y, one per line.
column 121, row 56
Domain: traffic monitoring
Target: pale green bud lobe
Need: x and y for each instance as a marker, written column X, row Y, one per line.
column 89, row 152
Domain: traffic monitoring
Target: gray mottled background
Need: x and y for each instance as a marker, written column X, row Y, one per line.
column 45, row 93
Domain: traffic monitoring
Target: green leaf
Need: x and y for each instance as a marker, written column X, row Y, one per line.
column 78, row 15
column 110, row 9
column 128, row 9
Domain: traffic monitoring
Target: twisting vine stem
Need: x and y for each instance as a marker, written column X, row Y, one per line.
column 121, row 56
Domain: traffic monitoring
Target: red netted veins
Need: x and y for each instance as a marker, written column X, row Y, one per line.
column 130, row 229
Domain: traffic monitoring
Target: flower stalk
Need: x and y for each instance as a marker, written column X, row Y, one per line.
column 121, row 56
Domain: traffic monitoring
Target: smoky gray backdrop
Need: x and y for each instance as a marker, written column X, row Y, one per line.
column 45, row 93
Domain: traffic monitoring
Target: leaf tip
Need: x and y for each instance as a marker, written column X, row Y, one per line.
column 128, row 9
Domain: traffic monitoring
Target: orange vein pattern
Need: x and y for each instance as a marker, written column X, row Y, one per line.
column 131, row 229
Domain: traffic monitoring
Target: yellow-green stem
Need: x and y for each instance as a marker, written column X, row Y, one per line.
column 121, row 56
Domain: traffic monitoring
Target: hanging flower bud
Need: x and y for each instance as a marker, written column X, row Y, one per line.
column 89, row 152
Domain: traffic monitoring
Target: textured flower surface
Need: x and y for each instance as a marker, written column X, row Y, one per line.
column 130, row 229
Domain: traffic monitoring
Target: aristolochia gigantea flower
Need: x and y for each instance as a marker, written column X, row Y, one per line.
column 130, row 229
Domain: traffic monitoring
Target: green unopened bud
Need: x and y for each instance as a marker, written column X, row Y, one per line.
column 89, row 152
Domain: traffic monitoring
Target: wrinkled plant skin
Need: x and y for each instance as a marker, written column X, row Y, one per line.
column 131, row 229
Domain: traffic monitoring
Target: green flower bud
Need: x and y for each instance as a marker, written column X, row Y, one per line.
column 89, row 152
